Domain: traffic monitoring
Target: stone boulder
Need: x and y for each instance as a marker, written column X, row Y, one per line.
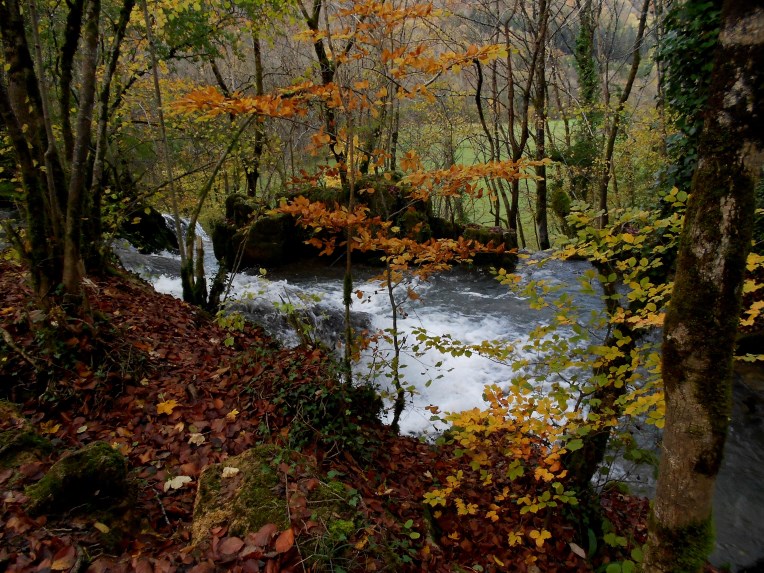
column 505, row 240
column 87, row 476
column 238, row 211
column 147, row 230
column 270, row 241
column 244, row 493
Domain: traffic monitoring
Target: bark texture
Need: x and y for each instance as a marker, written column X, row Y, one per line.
column 702, row 319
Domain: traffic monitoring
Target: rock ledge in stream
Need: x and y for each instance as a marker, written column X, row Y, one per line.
column 147, row 230
column 250, row 238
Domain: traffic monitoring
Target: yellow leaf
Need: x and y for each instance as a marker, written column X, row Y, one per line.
column 539, row 536
column 285, row 541
column 166, row 407
column 49, row 427
column 231, row 416
column 66, row 559
column 102, row 527
column 362, row 543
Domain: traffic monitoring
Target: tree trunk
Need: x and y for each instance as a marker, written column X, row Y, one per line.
column 584, row 152
column 22, row 109
column 94, row 255
column 516, row 143
column 493, row 196
column 253, row 172
column 68, row 50
column 607, row 170
column 701, row 322
column 540, row 104
column 605, row 405
column 73, row 266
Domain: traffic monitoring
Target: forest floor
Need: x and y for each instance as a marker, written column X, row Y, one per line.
column 161, row 383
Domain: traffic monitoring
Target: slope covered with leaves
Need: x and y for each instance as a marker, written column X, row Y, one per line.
column 153, row 378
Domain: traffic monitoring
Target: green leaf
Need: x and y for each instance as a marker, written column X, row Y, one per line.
column 574, row 445
column 637, row 555
column 592, row 543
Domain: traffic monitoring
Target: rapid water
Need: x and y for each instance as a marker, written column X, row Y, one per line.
column 469, row 306
column 472, row 306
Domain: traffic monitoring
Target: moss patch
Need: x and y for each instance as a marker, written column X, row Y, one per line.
column 686, row 549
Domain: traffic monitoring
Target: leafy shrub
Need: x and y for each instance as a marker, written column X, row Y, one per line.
column 334, row 415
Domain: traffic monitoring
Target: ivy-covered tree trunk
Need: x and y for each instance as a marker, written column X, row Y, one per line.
column 585, row 149
column 701, row 322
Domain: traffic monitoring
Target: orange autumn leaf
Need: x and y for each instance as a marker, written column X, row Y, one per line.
column 285, row 541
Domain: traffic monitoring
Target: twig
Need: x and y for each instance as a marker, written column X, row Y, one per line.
column 15, row 347
column 161, row 506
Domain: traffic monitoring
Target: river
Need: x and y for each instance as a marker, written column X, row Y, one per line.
column 472, row 307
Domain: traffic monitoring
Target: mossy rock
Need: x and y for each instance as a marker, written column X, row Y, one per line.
column 245, row 501
column 270, row 241
column 415, row 224
column 19, row 443
column 237, row 210
column 326, row 195
column 443, row 229
column 87, row 476
column 22, row 445
column 256, row 495
column 10, row 417
column 498, row 238
column 222, row 236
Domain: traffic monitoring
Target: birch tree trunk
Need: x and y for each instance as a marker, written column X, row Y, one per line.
column 701, row 322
